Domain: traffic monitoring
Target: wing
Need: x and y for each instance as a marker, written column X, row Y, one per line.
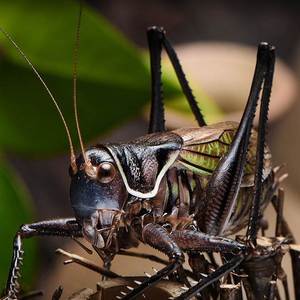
column 203, row 148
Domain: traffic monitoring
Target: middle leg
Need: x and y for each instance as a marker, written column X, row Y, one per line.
column 198, row 241
column 172, row 245
column 158, row 237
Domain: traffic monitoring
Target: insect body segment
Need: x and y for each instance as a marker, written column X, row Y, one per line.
column 139, row 171
column 140, row 168
column 178, row 191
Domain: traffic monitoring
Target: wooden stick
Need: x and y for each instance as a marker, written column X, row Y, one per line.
column 74, row 258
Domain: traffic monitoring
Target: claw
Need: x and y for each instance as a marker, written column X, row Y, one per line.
column 123, row 293
column 129, row 288
column 155, row 270
column 138, row 282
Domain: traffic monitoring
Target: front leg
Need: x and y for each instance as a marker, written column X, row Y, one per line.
column 157, row 237
column 59, row 227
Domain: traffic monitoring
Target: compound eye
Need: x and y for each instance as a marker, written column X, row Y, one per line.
column 106, row 172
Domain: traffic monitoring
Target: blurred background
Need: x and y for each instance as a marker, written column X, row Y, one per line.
column 216, row 42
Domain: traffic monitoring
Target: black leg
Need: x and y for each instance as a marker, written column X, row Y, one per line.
column 172, row 244
column 263, row 118
column 157, row 114
column 153, row 258
column 58, row 227
column 157, row 39
column 183, row 82
column 225, row 181
column 157, row 237
column 198, row 241
column 211, row 278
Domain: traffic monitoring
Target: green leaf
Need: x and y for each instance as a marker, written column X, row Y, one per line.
column 113, row 82
column 15, row 209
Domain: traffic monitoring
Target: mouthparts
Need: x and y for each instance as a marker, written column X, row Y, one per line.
column 99, row 229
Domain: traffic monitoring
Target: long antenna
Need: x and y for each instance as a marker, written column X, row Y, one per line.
column 72, row 157
column 75, row 61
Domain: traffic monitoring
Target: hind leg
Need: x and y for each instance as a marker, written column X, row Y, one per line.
column 156, row 40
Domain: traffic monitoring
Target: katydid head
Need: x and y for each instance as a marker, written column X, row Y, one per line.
column 97, row 191
column 98, row 195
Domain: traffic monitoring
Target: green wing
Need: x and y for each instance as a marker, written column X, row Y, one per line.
column 204, row 147
column 203, row 158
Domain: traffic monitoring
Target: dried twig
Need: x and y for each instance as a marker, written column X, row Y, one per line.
column 74, row 258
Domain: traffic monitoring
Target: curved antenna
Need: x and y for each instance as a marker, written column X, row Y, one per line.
column 75, row 61
column 72, row 153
